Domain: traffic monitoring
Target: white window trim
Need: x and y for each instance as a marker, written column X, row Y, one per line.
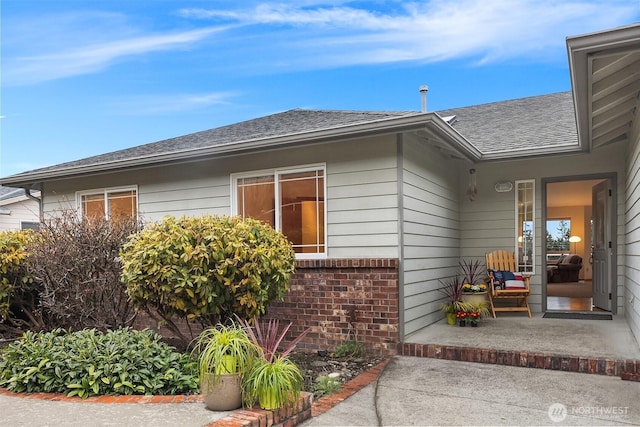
column 105, row 192
column 275, row 173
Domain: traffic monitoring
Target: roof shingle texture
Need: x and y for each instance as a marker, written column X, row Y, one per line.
column 279, row 124
column 546, row 120
column 538, row 121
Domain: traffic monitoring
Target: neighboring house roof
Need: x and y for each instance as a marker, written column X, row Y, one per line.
column 516, row 128
column 11, row 195
column 535, row 125
column 8, row 193
column 605, row 75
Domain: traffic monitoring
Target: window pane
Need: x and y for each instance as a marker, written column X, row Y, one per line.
column 302, row 210
column 525, row 225
column 93, row 205
column 558, row 233
column 256, row 199
column 123, row 204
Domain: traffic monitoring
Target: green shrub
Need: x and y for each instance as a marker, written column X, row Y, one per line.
column 350, row 349
column 16, row 285
column 89, row 362
column 207, row 268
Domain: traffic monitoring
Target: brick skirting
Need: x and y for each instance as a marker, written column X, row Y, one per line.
column 624, row 368
column 342, row 300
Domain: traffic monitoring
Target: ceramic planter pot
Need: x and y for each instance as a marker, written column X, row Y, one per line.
column 475, row 298
column 451, row 318
column 225, row 394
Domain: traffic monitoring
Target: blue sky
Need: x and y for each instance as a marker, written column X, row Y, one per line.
column 84, row 77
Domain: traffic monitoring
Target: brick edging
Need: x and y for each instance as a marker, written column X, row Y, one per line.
column 532, row 359
column 349, row 388
column 127, row 398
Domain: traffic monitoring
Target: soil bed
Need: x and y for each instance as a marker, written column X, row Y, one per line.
column 314, row 365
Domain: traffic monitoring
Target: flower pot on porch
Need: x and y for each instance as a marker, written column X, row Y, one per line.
column 475, row 298
column 451, row 318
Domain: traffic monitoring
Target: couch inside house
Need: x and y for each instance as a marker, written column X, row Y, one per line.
column 566, row 269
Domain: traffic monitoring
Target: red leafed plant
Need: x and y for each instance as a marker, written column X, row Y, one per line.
column 268, row 337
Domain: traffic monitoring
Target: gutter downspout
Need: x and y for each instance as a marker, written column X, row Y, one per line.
column 27, row 192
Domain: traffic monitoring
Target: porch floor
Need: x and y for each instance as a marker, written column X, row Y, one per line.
column 515, row 332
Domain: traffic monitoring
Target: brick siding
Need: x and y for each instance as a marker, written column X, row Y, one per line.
column 342, row 300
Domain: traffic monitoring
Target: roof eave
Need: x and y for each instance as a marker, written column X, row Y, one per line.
column 379, row 127
column 535, row 152
column 579, row 49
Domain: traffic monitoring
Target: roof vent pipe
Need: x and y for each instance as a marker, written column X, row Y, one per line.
column 423, row 95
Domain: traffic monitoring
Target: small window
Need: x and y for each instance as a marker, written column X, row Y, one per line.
column 290, row 200
column 109, row 203
column 525, row 225
column 28, row 225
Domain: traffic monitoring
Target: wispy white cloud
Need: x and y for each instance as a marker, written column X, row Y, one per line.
column 46, row 49
column 487, row 30
column 167, row 104
column 267, row 37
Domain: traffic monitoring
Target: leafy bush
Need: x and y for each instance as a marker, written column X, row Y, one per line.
column 17, row 291
column 75, row 261
column 351, row 348
column 207, row 268
column 89, row 362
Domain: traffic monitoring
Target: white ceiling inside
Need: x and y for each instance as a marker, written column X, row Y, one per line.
column 570, row 193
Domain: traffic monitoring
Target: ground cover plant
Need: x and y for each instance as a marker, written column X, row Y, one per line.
column 90, row 362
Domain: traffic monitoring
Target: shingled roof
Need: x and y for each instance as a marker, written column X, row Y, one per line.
column 505, row 129
column 7, row 193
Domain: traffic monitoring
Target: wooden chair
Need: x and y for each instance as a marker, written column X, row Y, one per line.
column 502, row 260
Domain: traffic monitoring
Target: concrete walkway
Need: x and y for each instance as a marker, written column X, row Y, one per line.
column 422, row 391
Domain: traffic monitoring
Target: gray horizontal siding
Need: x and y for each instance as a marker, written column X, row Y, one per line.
column 629, row 295
column 362, row 201
column 430, row 231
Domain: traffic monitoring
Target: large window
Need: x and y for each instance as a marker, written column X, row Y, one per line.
column 111, row 203
column 525, row 225
column 290, row 200
column 558, row 234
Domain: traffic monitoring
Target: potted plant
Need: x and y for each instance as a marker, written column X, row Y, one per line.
column 224, row 354
column 474, row 313
column 273, row 380
column 452, row 289
column 474, row 290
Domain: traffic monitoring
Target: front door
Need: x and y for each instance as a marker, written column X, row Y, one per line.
column 601, row 244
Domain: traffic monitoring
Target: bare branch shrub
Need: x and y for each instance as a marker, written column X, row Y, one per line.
column 76, row 263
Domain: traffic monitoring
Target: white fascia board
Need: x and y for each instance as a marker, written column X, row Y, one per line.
column 532, row 152
column 378, row 127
